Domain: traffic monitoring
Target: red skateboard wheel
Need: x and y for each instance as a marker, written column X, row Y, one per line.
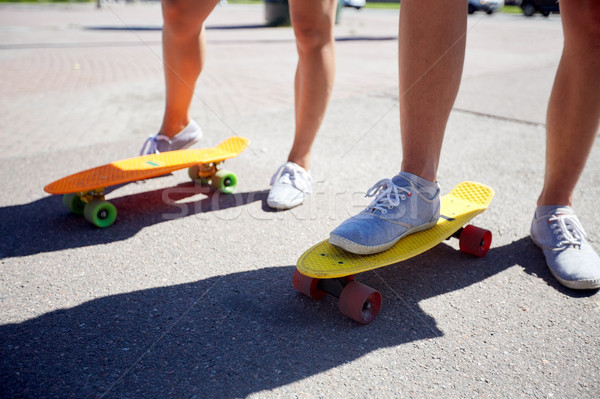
column 359, row 302
column 475, row 241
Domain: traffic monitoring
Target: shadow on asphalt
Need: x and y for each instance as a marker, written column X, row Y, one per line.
column 46, row 225
column 124, row 28
column 231, row 335
column 352, row 38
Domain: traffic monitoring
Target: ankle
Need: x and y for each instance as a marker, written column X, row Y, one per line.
column 171, row 129
column 302, row 161
column 424, row 172
column 560, row 198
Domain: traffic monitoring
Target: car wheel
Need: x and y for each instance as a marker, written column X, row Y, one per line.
column 528, row 9
column 471, row 9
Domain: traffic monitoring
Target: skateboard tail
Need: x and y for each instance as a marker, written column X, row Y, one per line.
column 233, row 145
column 476, row 193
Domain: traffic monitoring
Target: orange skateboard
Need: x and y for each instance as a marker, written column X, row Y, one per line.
column 83, row 192
column 326, row 269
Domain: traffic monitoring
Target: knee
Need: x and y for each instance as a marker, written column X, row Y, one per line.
column 173, row 11
column 178, row 18
column 582, row 25
column 311, row 37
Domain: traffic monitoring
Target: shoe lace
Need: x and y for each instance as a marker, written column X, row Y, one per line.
column 568, row 229
column 387, row 195
column 292, row 176
column 151, row 144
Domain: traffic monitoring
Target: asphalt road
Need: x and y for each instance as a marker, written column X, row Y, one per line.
column 189, row 293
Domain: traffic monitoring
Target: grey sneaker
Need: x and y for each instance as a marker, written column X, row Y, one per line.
column 289, row 186
column 182, row 140
column 558, row 232
column 403, row 205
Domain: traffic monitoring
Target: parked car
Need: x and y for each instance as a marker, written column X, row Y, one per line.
column 545, row 7
column 489, row 6
column 358, row 4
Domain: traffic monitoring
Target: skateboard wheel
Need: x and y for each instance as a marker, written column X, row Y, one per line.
column 475, row 241
column 307, row 285
column 359, row 302
column 73, row 203
column 224, row 181
column 100, row 213
column 194, row 172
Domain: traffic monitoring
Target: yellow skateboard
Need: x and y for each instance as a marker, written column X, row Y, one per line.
column 84, row 192
column 326, row 269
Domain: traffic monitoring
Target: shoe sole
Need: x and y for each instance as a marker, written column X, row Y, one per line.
column 573, row 284
column 282, row 207
column 359, row 249
column 578, row 284
column 285, row 206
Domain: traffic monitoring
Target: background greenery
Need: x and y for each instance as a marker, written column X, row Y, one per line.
column 370, row 4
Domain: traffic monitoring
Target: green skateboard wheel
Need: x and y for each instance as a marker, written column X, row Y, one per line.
column 224, row 181
column 73, row 203
column 100, row 213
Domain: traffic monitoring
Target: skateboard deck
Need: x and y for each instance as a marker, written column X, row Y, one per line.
column 325, row 268
column 84, row 192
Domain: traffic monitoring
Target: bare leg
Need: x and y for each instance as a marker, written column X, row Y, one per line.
column 574, row 108
column 571, row 127
column 432, row 37
column 184, row 53
column 313, row 22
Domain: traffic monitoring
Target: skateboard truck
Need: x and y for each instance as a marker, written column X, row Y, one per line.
column 204, row 170
column 210, row 175
column 355, row 300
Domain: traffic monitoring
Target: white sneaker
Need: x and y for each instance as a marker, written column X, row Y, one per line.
column 182, row 140
column 289, row 186
column 571, row 259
